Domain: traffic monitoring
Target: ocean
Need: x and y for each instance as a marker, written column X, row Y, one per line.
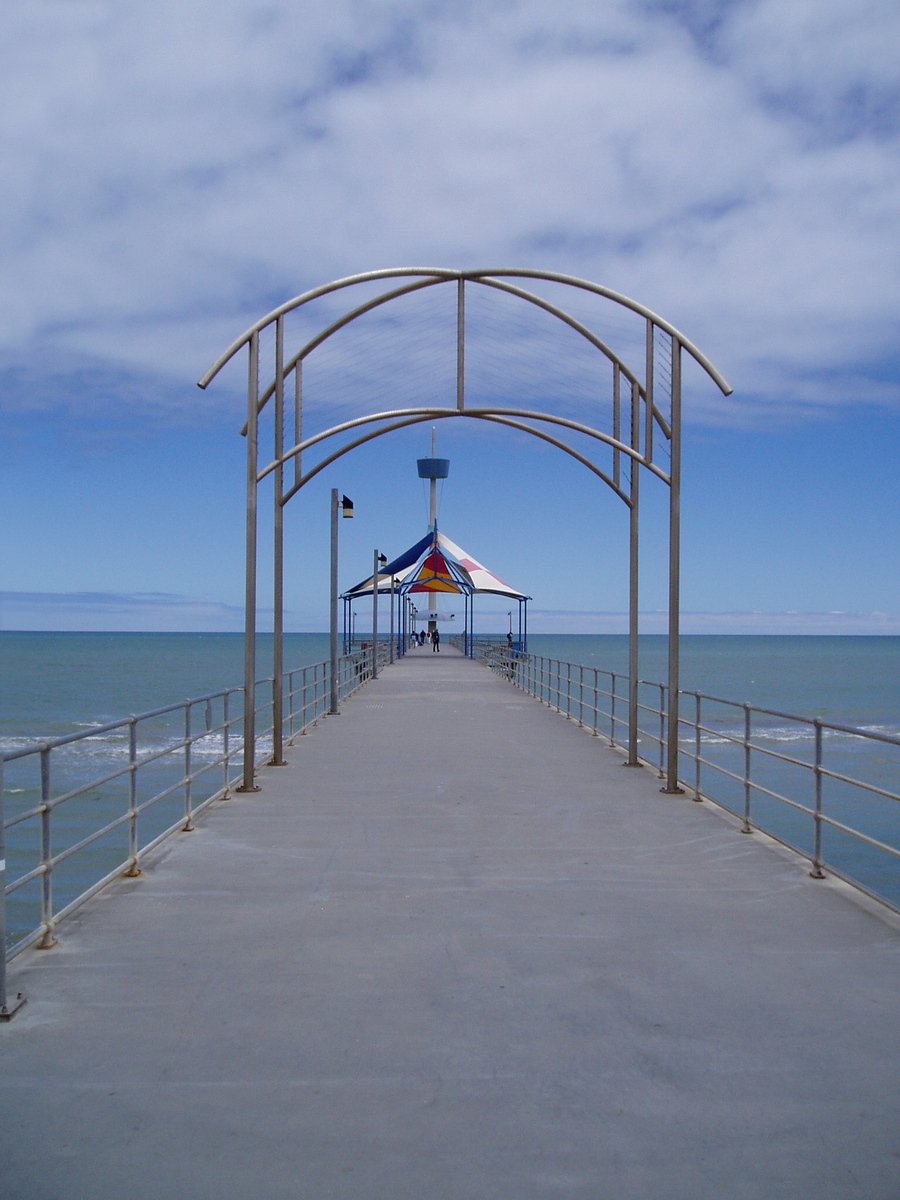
column 57, row 684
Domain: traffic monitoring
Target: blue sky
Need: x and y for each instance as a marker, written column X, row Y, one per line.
column 173, row 171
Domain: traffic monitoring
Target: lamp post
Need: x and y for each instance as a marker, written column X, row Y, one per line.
column 391, row 659
column 378, row 560
column 346, row 507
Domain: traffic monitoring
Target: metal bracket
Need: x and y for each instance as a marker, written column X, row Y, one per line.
column 8, row 1011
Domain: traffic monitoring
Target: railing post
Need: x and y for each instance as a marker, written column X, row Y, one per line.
column 817, row 872
column 188, row 825
column 662, row 730
column 226, row 792
column 697, row 795
column 47, row 939
column 303, row 690
column 745, row 828
column 612, row 709
column 8, row 1007
column 133, row 869
column 596, row 705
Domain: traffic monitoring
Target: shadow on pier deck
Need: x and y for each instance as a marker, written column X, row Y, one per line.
column 456, row 949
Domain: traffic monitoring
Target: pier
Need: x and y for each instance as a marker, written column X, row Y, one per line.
column 456, row 949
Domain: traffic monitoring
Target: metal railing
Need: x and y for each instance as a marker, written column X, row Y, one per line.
column 794, row 778
column 78, row 811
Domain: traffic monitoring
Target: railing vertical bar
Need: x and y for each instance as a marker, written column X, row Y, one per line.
column 817, row 872
column 745, row 828
column 47, row 938
column 697, row 762
column 662, row 730
column 188, row 813
column 133, row 869
column 226, row 732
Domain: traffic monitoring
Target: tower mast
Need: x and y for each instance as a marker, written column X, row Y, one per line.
column 433, row 469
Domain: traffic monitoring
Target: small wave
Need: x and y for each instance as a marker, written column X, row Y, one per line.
column 788, row 733
column 11, row 745
column 735, row 737
column 889, row 730
column 114, row 747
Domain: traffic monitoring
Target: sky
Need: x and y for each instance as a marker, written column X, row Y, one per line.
column 173, row 171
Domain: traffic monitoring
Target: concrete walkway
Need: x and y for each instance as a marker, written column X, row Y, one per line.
column 457, row 950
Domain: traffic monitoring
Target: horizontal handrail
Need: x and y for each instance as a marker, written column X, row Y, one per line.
column 745, row 761
column 122, row 813
column 68, row 738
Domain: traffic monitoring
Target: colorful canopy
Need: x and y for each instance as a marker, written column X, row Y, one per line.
column 435, row 564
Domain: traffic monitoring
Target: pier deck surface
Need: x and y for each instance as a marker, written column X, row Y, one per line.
column 456, row 950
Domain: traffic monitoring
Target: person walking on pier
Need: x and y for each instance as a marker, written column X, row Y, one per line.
column 436, row 641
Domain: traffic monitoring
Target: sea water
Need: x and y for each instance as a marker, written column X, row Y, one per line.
column 57, row 684
column 52, row 684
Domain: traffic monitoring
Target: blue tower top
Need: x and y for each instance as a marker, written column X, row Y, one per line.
column 433, row 468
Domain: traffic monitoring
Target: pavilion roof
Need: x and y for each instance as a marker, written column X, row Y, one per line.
column 436, row 564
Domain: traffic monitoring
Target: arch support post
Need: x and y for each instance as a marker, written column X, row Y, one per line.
column 277, row 759
column 634, row 526
column 248, row 783
column 672, row 787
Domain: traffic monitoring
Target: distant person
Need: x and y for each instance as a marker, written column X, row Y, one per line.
column 509, row 639
column 436, row 642
column 421, row 637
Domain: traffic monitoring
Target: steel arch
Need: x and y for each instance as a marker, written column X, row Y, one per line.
column 627, row 451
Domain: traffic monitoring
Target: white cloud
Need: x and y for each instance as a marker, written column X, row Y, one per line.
column 795, row 624
column 162, row 612
column 149, row 612
column 173, row 170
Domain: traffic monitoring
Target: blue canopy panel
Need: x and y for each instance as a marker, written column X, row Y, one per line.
column 435, row 564
column 399, row 565
column 412, row 555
